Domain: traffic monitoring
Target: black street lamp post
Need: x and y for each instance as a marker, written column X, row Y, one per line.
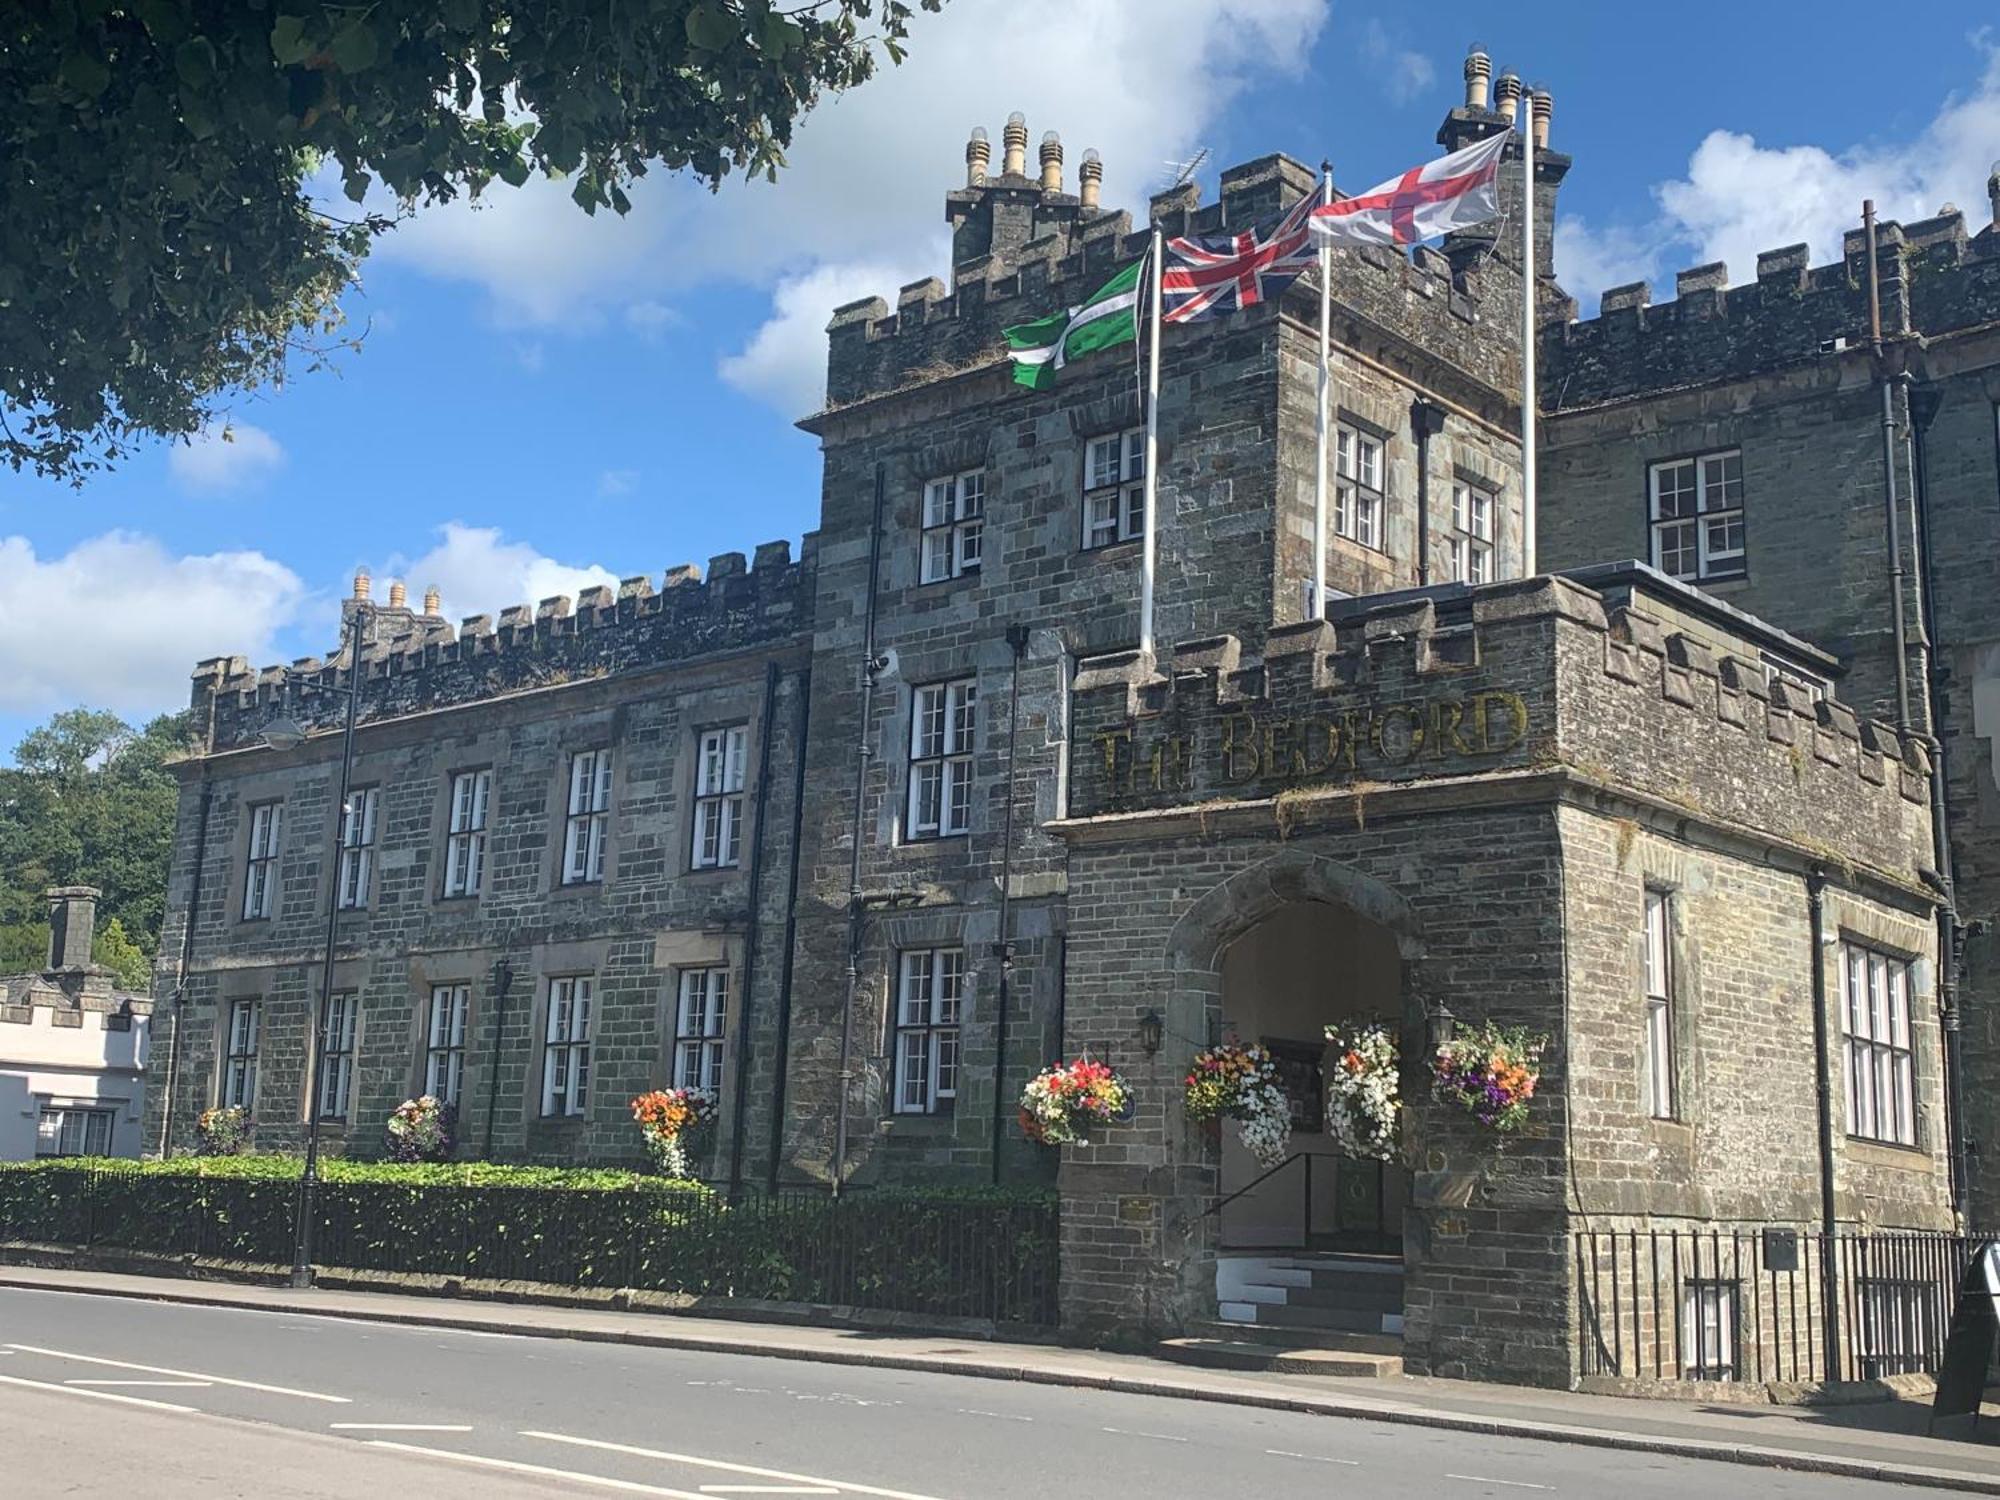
column 287, row 734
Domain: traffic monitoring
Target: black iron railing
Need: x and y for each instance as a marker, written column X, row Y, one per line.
column 1752, row 1303
column 887, row 1249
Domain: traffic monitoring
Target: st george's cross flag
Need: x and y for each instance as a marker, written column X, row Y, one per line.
column 1108, row 316
column 1453, row 192
column 1205, row 275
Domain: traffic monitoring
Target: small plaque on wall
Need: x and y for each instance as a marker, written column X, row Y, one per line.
column 1781, row 1249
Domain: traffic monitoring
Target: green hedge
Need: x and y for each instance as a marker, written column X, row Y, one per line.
column 979, row 1252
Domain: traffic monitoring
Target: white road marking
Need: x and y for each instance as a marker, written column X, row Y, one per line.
column 70, row 1390
column 395, row 1427
column 202, row 1384
column 480, row 1460
column 840, row 1486
column 119, row 1364
column 1314, row 1458
column 766, row 1489
column 1158, row 1437
column 998, row 1416
column 1513, row 1484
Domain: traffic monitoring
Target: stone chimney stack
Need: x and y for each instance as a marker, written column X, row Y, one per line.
column 1051, row 163
column 72, row 927
column 1993, row 194
column 1543, row 107
column 1014, row 145
column 1478, row 68
column 1507, row 95
column 1089, row 177
column 362, row 583
column 432, row 601
column 978, row 153
column 399, row 597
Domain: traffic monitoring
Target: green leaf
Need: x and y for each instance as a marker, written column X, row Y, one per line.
column 354, row 47
column 194, row 62
column 781, row 35
column 86, row 73
column 289, row 44
column 513, row 170
column 711, row 28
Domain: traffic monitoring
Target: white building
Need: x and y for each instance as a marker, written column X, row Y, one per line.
column 72, row 1048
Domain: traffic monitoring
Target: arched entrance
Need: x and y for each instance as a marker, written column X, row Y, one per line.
column 1304, row 967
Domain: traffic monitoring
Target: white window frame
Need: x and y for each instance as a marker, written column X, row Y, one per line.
column 701, row 1012
column 465, row 840
column 1881, row 1054
column 260, row 865
column 1473, row 507
column 943, row 723
column 952, row 528
column 1710, row 1311
column 444, row 1041
column 339, row 1023
column 1114, row 488
column 1658, row 986
column 1358, row 494
column 75, row 1130
column 566, row 1047
column 587, row 824
column 243, row 1026
column 357, row 848
column 1777, row 670
column 930, row 1006
column 1694, row 510
column 718, row 797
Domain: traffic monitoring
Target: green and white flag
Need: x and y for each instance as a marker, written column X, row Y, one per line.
column 1107, row 317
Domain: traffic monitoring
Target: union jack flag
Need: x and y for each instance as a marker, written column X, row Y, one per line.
column 1209, row 274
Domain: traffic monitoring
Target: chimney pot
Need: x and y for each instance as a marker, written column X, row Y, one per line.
column 72, row 926
column 399, row 596
column 1507, row 95
column 978, row 152
column 1014, row 140
column 432, row 600
column 1089, row 176
column 1542, row 106
column 1993, row 193
column 1051, row 163
column 361, row 583
column 1478, row 68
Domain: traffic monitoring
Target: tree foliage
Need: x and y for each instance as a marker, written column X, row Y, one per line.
column 89, row 801
column 160, row 238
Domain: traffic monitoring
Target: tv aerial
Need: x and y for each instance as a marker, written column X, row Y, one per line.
column 1183, row 170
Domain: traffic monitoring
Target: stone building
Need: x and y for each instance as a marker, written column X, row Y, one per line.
column 865, row 839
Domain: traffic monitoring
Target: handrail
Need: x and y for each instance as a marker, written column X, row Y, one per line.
column 1258, row 1181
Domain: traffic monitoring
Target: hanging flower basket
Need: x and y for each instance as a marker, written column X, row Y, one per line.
column 1240, row 1083
column 221, row 1131
column 422, row 1129
column 1364, row 1095
column 1490, row 1072
column 667, row 1117
column 1063, row 1102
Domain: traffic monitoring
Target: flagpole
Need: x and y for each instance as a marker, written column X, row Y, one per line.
column 1523, row 119
column 1319, row 475
column 1150, row 526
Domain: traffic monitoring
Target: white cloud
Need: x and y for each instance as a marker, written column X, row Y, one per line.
column 1405, row 76
column 118, row 622
column 225, row 455
column 1740, row 197
column 784, row 363
column 479, row 572
column 615, row 482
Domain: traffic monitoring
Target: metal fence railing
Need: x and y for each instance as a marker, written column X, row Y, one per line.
column 1751, row 1303
column 887, row 1249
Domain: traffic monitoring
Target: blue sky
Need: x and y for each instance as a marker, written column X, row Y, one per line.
column 545, row 401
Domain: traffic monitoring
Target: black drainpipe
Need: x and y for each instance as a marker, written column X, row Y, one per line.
column 1892, row 524
column 503, row 981
column 1003, row 949
column 783, row 1060
column 179, row 1012
column 1426, row 421
column 1829, row 1266
column 862, row 755
column 752, row 926
column 1951, row 934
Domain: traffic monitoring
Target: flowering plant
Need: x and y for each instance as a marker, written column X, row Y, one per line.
column 1064, row 1100
column 1490, row 1072
column 422, row 1129
column 1364, row 1104
column 1241, row 1083
column 666, row 1118
column 221, row 1131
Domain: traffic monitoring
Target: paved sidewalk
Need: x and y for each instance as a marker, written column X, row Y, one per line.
column 1882, row 1440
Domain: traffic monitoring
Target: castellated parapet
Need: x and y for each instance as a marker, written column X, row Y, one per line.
column 1933, row 279
column 1617, row 691
column 414, row 663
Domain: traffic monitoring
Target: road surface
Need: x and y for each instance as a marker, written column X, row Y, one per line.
column 104, row 1396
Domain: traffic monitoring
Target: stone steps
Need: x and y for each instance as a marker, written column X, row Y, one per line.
column 1277, row 1336
column 1240, row 1354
